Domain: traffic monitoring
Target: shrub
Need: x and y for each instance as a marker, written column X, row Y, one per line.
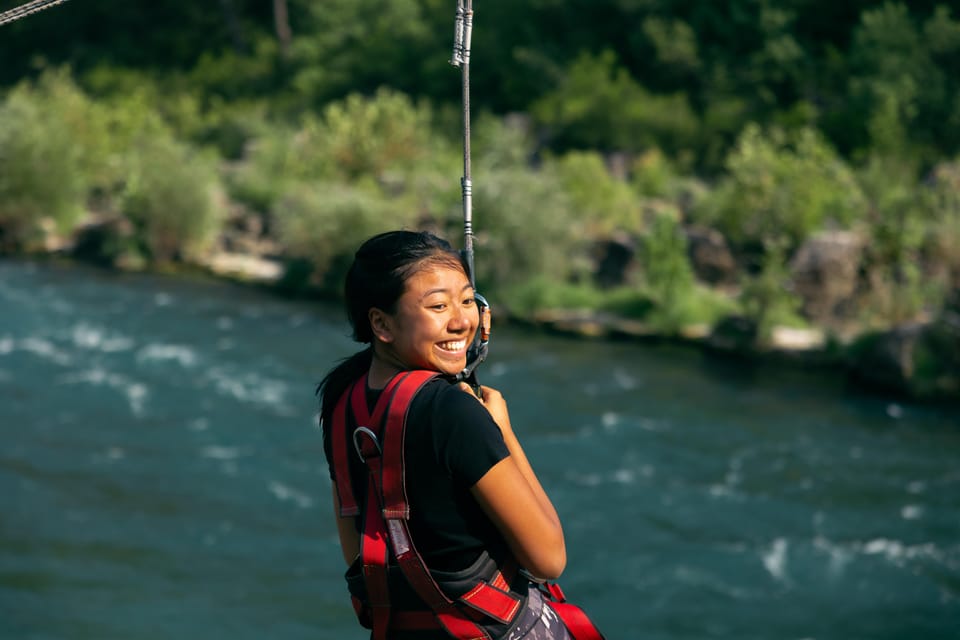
column 902, row 216
column 385, row 137
column 944, row 236
column 50, row 143
column 604, row 203
column 780, row 188
column 526, row 226
column 599, row 105
column 668, row 280
column 767, row 298
column 321, row 225
column 371, row 136
column 171, row 196
column 541, row 293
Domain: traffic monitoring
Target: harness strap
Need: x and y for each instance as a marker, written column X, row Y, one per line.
column 574, row 618
column 385, row 529
column 341, row 467
column 379, row 439
column 375, row 555
column 354, row 400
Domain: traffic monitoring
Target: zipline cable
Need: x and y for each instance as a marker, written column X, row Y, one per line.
column 463, row 33
column 27, row 9
column 461, row 58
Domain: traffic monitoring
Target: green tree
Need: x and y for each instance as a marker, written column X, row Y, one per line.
column 599, row 105
column 779, row 188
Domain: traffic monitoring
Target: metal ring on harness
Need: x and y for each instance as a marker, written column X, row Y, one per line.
column 373, row 437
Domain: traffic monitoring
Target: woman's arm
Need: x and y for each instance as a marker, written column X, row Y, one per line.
column 347, row 530
column 514, row 499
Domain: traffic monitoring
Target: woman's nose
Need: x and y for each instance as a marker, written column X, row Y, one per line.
column 461, row 319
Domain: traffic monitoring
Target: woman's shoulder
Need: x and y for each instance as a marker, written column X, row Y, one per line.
column 444, row 395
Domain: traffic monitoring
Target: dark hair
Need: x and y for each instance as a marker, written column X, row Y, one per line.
column 376, row 280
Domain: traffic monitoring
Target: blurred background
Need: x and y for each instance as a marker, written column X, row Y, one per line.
column 747, row 214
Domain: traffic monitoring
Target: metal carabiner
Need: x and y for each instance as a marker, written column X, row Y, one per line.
column 356, row 443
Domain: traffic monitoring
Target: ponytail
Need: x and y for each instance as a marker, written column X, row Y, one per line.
column 339, row 378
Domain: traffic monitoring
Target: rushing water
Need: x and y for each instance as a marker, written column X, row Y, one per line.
column 161, row 476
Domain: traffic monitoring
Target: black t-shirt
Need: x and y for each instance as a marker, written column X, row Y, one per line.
column 451, row 442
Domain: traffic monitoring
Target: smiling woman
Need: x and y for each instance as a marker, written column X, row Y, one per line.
column 440, row 475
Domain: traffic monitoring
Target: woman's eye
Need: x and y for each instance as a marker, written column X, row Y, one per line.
column 440, row 306
column 468, row 302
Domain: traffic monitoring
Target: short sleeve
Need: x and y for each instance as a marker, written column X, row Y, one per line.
column 468, row 442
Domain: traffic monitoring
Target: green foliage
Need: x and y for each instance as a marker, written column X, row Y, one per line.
column 319, row 224
column 780, row 188
column 604, row 203
column 542, row 293
column 48, row 151
column 172, row 195
column 385, row 137
column 901, row 214
column 944, row 236
column 668, row 280
column 767, row 299
column 496, row 143
column 599, row 105
column 526, row 227
column 374, row 136
column 675, row 44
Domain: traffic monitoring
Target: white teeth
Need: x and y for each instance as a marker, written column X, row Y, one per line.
column 453, row 346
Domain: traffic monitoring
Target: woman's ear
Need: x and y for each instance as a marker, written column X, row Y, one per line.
column 382, row 325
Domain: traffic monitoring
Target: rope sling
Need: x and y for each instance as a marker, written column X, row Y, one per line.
column 26, row 9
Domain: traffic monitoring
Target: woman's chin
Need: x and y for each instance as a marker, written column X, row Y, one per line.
column 451, row 367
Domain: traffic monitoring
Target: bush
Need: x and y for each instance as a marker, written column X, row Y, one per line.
column 605, row 203
column 50, row 143
column 767, row 299
column 385, row 138
column 599, row 105
column 781, row 188
column 373, row 136
column 944, row 236
column 321, row 226
column 171, row 196
column 544, row 293
column 902, row 215
column 668, row 280
column 526, row 226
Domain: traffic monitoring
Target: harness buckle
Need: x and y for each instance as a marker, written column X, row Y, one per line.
column 365, row 431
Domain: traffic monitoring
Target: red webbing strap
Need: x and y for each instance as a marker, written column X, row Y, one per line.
column 355, row 400
column 573, row 617
column 373, row 542
column 341, row 465
column 386, row 490
column 395, row 504
column 489, row 600
column 375, row 555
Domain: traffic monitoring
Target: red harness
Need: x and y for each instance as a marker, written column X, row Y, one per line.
column 379, row 440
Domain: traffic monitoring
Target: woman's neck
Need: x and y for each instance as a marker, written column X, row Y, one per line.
column 382, row 368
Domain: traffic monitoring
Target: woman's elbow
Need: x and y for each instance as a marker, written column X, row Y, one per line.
column 550, row 562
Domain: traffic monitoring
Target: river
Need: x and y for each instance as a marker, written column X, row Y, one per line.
column 161, row 476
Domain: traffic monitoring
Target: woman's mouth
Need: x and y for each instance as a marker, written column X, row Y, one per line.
column 452, row 346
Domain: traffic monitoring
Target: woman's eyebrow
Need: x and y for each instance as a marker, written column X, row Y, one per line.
column 444, row 290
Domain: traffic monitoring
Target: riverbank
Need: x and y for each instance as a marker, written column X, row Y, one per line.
column 918, row 361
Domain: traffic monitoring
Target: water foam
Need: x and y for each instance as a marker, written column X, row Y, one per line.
column 775, row 559
column 46, row 350
column 286, row 493
column 182, row 355
column 86, row 336
column 135, row 392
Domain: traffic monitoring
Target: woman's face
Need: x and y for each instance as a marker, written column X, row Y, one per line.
column 434, row 322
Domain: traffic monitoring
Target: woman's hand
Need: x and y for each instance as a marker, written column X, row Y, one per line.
column 494, row 403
